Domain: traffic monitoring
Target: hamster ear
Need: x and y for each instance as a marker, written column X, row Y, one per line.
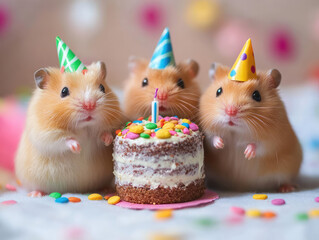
column 191, row 66
column 135, row 64
column 41, row 77
column 274, row 78
column 103, row 70
column 217, row 70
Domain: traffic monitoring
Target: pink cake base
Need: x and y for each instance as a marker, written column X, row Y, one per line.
column 208, row 197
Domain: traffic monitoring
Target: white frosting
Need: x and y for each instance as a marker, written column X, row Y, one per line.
column 126, row 176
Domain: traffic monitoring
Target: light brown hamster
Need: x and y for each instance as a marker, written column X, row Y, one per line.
column 178, row 92
column 70, row 120
column 250, row 144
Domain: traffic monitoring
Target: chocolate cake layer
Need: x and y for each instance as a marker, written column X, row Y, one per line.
column 161, row 195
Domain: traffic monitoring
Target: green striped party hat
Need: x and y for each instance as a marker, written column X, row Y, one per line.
column 69, row 62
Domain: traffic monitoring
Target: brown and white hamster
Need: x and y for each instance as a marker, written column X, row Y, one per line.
column 250, row 144
column 69, row 123
column 178, row 91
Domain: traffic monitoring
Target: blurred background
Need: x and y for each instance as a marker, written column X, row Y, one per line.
column 285, row 35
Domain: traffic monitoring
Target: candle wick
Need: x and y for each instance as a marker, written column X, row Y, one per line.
column 156, row 93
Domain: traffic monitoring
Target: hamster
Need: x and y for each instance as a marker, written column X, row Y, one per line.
column 65, row 144
column 250, row 143
column 178, row 92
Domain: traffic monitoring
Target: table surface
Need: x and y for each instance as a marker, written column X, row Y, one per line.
column 42, row 218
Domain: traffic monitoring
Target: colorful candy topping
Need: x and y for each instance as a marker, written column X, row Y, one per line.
column 55, row 195
column 95, row 196
column 260, row 196
column 165, row 128
column 163, row 214
column 278, row 201
column 62, row 200
column 113, row 200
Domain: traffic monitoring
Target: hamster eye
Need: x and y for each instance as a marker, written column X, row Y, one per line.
column 102, row 88
column 145, row 82
column 256, row 96
column 219, row 92
column 65, row 92
column 180, row 83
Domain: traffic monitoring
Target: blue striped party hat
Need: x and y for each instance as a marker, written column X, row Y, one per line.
column 163, row 55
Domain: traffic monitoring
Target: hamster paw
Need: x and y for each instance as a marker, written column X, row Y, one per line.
column 35, row 194
column 218, row 142
column 285, row 188
column 107, row 138
column 250, row 151
column 73, row 145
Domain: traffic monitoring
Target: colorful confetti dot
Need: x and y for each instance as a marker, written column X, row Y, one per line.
column 243, row 56
column 233, row 73
column 9, row 202
column 278, row 201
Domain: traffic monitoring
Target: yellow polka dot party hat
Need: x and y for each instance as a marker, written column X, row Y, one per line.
column 244, row 68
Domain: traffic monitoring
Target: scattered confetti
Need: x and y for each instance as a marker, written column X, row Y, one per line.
column 314, row 213
column 278, row 201
column 317, row 199
column 260, row 196
column 238, row 210
column 269, row 214
column 113, row 200
column 9, row 202
column 205, row 222
column 74, row 199
column 253, row 213
column 62, row 200
column 95, row 196
column 55, row 195
column 302, row 216
column 10, row 187
column 163, row 214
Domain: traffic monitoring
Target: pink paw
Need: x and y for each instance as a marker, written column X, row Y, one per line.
column 250, row 151
column 107, row 138
column 285, row 188
column 36, row 194
column 73, row 145
column 218, row 142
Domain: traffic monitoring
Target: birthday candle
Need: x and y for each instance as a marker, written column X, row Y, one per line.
column 155, row 108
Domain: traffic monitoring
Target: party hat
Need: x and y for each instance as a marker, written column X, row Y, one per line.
column 244, row 68
column 163, row 55
column 69, row 62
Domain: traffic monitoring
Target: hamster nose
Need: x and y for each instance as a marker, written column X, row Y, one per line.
column 162, row 95
column 231, row 111
column 89, row 106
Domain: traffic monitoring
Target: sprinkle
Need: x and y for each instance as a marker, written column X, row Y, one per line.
column 269, row 214
column 260, row 196
column 107, row 197
column 137, row 121
column 179, row 126
column 302, row 216
column 137, row 129
column 174, row 118
column 160, row 124
column 128, row 123
column 185, row 124
column 238, row 210
column 178, row 130
column 144, row 135
column 169, row 126
column 55, row 195
column 74, row 199
column 278, row 201
column 118, row 131
column 193, row 126
column 132, row 135
column 147, row 132
column 186, row 131
column 253, row 213
column 119, row 134
column 167, row 118
column 113, row 200
column 151, row 125
column 10, row 187
column 95, row 196
column 172, row 132
column 163, row 133
column 317, row 199
column 314, row 213
column 186, row 121
column 124, row 131
column 163, row 214
column 153, row 134
column 62, row 200
column 140, row 118
column 9, row 202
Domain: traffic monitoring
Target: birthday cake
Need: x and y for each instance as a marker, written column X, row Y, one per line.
column 157, row 163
